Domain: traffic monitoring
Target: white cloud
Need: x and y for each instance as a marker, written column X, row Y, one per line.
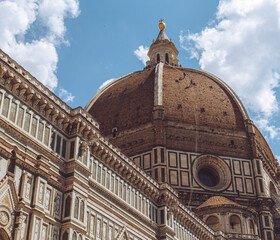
column 38, row 55
column 39, row 58
column 53, row 14
column 106, row 83
column 141, row 53
column 242, row 48
column 273, row 131
column 65, row 95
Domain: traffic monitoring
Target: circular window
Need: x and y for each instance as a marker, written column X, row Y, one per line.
column 211, row 173
column 208, row 176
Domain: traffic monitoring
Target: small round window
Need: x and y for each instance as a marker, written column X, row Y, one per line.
column 211, row 173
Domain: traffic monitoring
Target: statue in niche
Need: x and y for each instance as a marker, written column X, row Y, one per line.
column 36, row 235
column 44, row 232
column 28, row 186
column 83, row 151
column 55, row 234
column 23, row 226
column 47, row 202
column 110, row 233
column 57, row 205
column 41, row 193
column 104, row 230
column 98, row 228
column 92, row 225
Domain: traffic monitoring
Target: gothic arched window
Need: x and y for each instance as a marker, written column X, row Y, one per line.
column 65, row 235
column 67, row 207
column 82, row 208
column 76, row 209
column 251, row 227
column 74, row 236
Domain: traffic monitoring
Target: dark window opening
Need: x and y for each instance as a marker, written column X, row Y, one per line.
column 208, row 176
column 166, row 58
column 269, row 236
column 162, row 216
column 156, row 216
column 67, row 207
column 114, row 132
column 65, row 236
column 52, row 141
column 72, row 145
column 158, row 58
column 156, row 174
column 155, row 156
column 64, row 148
column 58, row 142
column 258, row 167
column 162, row 155
column 261, row 185
column 163, row 175
column 266, row 221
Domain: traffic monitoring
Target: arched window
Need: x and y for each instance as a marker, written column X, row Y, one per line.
column 114, row 132
column 235, row 224
column 158, row 58
column 74, row 236
column 251, row 227
column 166, row 58
column 213, row 222
column 76, row 209
column 67, row 207
column 65, row 235
column 82, row 209
column 80, row 237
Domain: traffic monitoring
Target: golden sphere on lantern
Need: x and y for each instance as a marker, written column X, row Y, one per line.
column 161, row 25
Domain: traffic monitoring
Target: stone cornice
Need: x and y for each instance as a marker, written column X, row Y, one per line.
column 37, row 166
column 29, row 141
column 18, row 82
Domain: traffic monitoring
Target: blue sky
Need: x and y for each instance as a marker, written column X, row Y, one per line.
column 106, row 33
column 75, row 46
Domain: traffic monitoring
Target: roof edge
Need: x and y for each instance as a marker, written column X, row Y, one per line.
column 103, row 89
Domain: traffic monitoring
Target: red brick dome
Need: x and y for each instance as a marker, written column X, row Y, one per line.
column 179, row 108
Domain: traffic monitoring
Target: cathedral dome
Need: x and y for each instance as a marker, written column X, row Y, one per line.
column 171, row 106
column 176, row 107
